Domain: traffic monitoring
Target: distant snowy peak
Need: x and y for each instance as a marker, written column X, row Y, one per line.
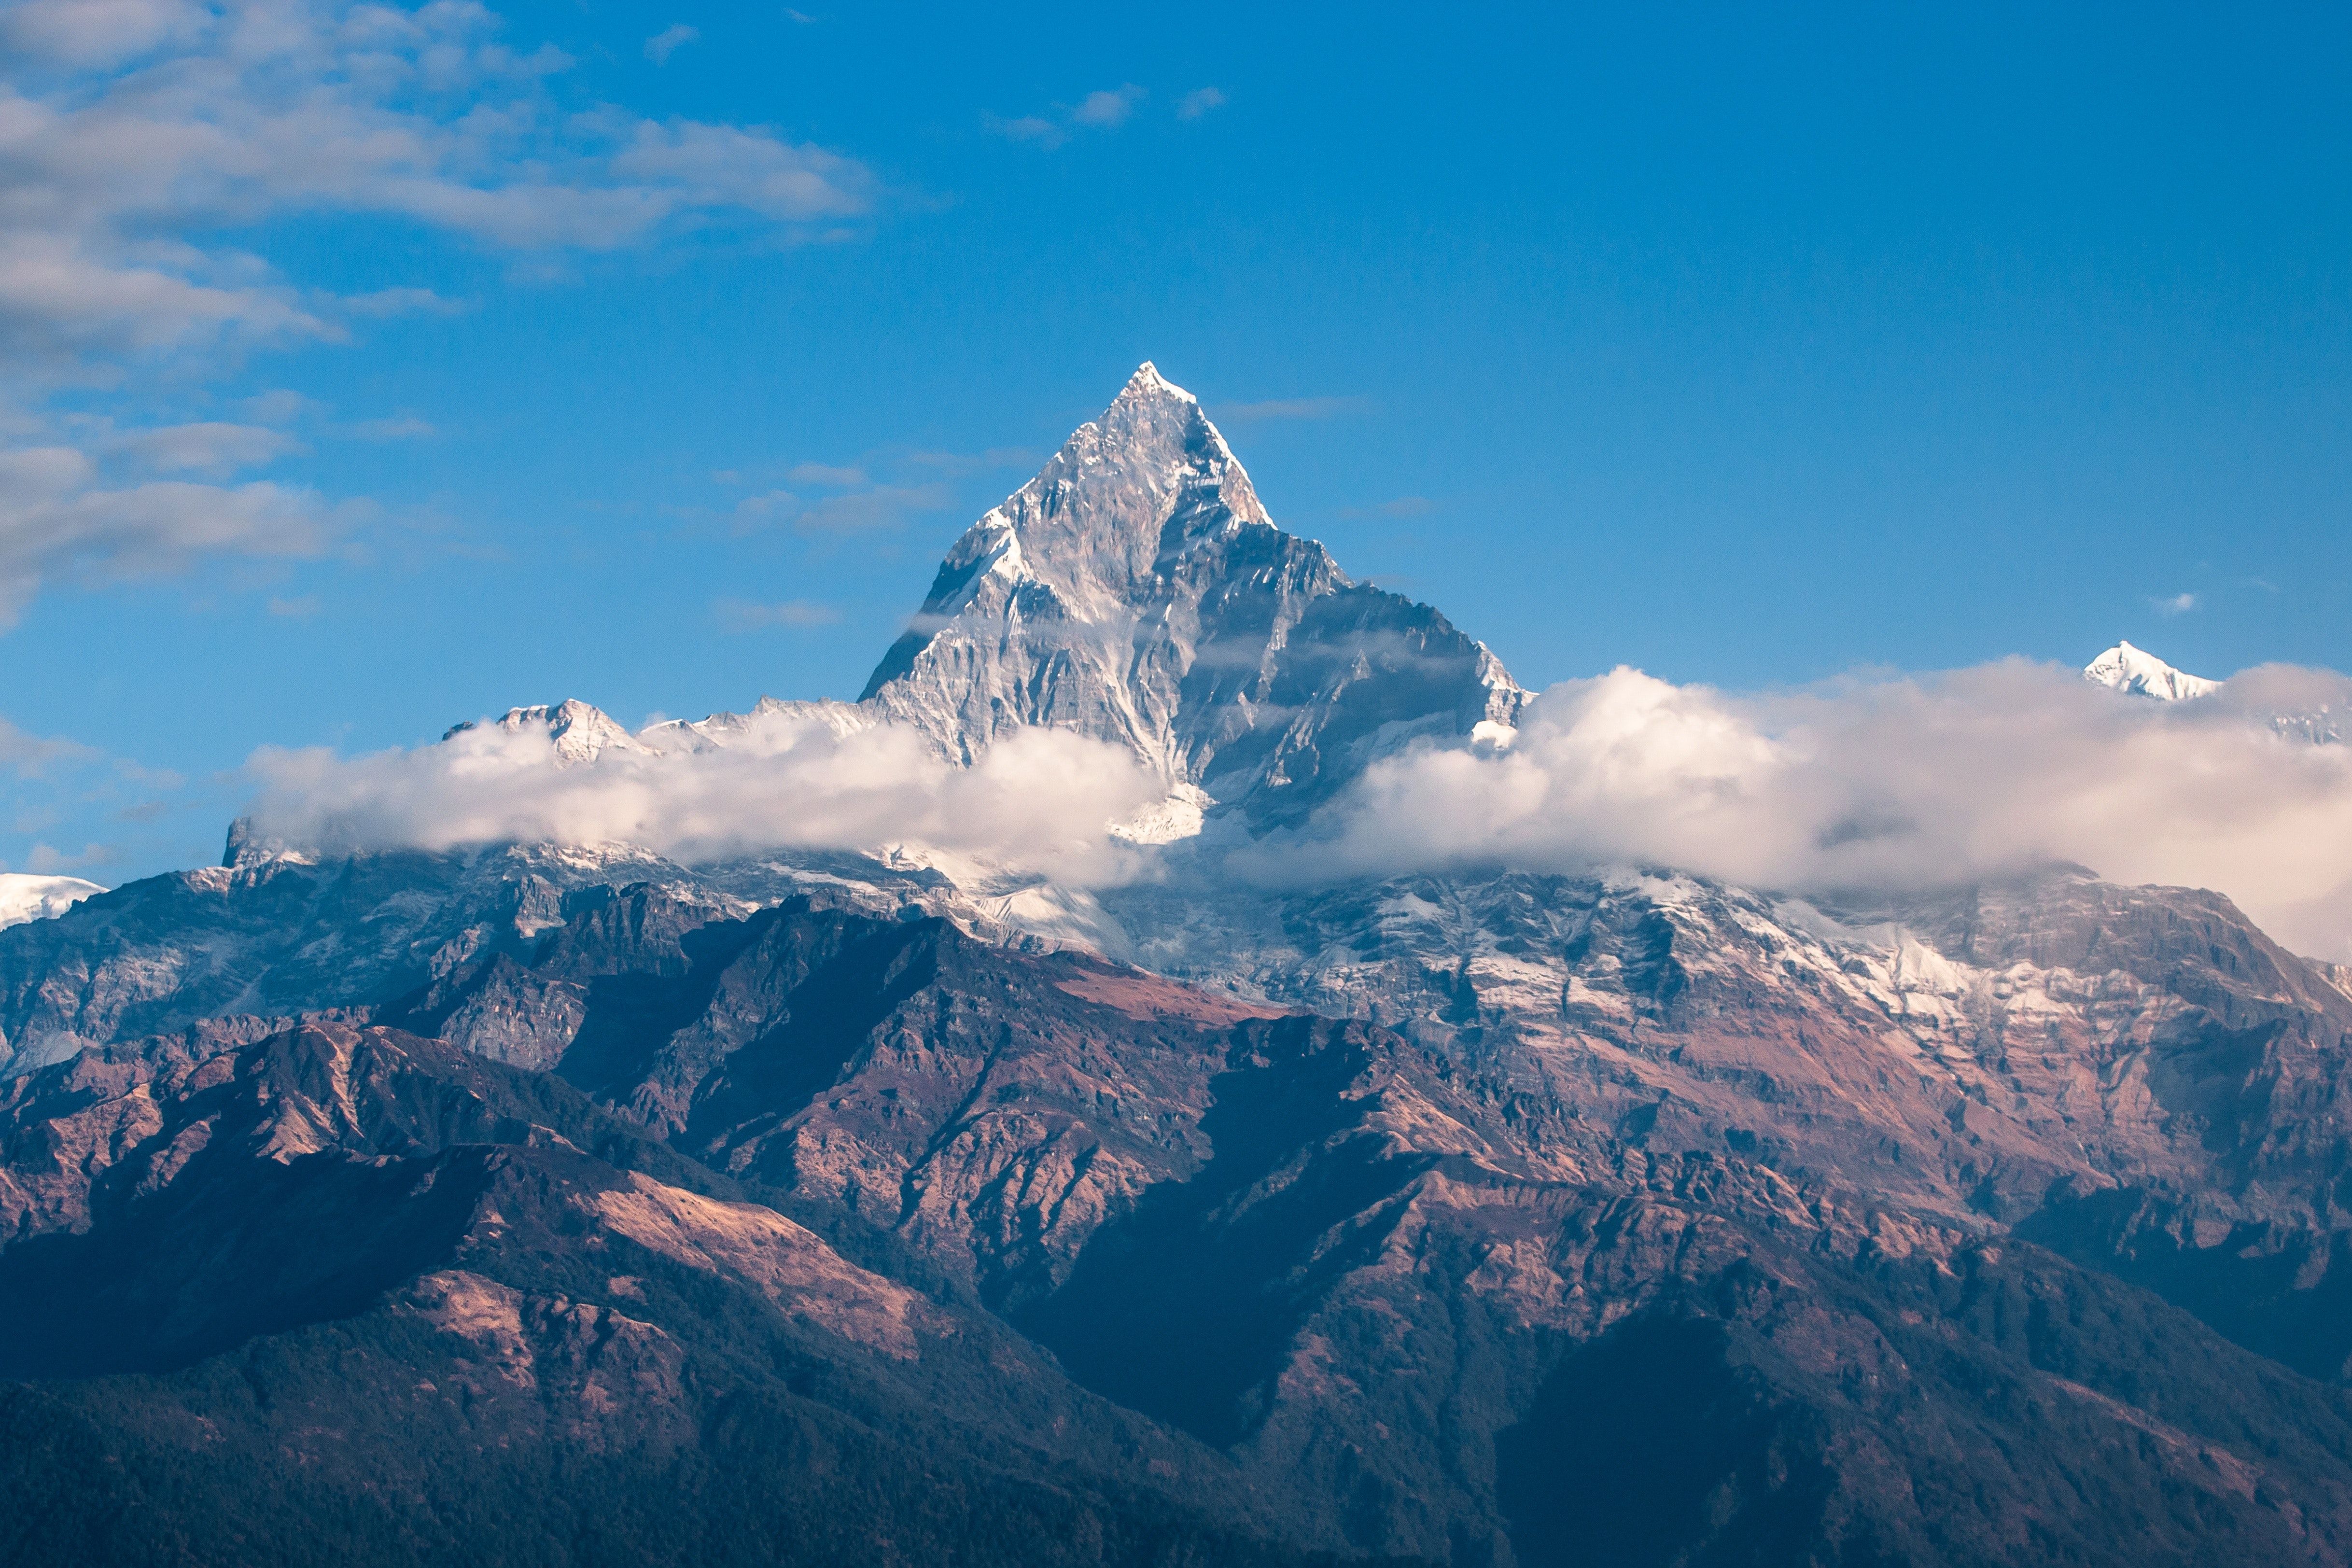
column 581, row 732
column 2139, row 673
column 28, row 897
column 721, row 731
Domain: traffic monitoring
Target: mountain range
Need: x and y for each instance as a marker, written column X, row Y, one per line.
column 567, row 1203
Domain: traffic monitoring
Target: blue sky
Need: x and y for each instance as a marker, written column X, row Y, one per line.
column 366, row 371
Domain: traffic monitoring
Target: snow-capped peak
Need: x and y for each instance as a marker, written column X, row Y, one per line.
column 2139, row 673
column 24, row 898
column 580, row 731
column 1147, row 381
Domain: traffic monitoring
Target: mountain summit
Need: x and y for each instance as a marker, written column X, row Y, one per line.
column 2136, row 672
column 1137, row 591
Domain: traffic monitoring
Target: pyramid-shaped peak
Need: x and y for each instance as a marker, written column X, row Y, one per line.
column 1147, row 381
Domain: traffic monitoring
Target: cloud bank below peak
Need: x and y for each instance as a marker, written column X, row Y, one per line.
column 1045, row 802
column 1880, row 784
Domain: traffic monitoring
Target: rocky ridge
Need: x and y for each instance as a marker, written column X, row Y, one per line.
column 1486, row 1218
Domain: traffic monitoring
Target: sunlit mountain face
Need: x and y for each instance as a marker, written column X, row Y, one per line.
column 1194, row 1064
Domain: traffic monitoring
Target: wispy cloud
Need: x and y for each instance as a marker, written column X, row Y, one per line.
column 53, row 780
column 59, row 520
column 1198, row 102
column 668, row 41
column 399, row 302
column 136, row 135
column 741, row 616
column 1106, row 109
column 1026, row 127
column 959, row 464
column 1402, row 506
column 859, row 511
column 1111, row 108
column 213, row 448
column 825, row 474
column 2177, row 604
column 1290, row 409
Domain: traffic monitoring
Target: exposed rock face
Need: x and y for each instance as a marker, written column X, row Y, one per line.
column 1135, row 591
column 1394, row 1287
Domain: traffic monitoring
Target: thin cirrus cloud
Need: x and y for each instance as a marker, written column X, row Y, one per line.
column 1401, row 507
column 211, row 448
column 798, row 615
column 1105, row 109
column 59, row 519
column 1110, row 108
column 668, row 41
column 2174, row 605
column 1289, row 409
column 863, row 510
column 825, row 474
column 133, row 132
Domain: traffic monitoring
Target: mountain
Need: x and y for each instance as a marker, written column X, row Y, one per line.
column 1135, row 591
column 539, row 1203
column 2139, row 673
column 23, row 897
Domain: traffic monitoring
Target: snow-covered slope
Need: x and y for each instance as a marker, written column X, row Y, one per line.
column 28, row 897
column 581, row 733
column 2139, row 673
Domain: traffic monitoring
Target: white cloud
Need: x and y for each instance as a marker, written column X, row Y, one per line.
column 214, row 449
column 168, row 119
column 398, row 303
column 1882, row 784
column 99, row 32
column 1044, row 799
column 852, row 511
column 1026, row 127
column 668, row 41
column 1105, row 109
column 825, row 474
column 133, row 132
column 58, row 519
column 2177, row 605
column 1198, row 102
column 30, row 756
column 1109, row 109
